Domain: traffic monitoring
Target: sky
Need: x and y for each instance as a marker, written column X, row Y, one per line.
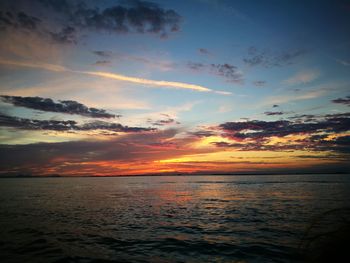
column 132, row 87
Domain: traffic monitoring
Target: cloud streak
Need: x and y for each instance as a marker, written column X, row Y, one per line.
column 303, row 77
column 115, row 76
column 158, row 83
column 38, row 65
column 273, row 113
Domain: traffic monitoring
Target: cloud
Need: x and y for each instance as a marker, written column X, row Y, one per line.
column 157, row 63
column 39, row 65
column 116, row 127
column 273, row 113
column 343, row 62
column 103, row 54
column 303, row 77
column 157, row 83
column 310, row 133
column 130, row 153
column 29, row 124
column 262, row 130
column 204, row 51
column 345, row 101
column 316, row 118
column 268, row 59
column 225, row 108
column 196, row 65
column 103, row 63
column 18, row 20
column 69, row 125
column 135, row 16
column 259, row 83
column 67, row 34
column 164, row 122
column 126, row 17
column 63, row 106
column 227, row 71
column 339, row 145
column 307, row 95
column 202, row 133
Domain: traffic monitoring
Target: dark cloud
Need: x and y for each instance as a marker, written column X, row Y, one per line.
column 204, row 51
column 168, row 121
column 104, row 63
column 339, row 145
column 272, row 113
column 103, row 54
column 137, row 16
column 29, row 124
column 258, row 146
column 345, row 101
column 63, row 106
column 102, row 125
column 18, row 20
column 65, row 35
column 303, row 118
column 275, row 106
column 196, row 65
column 259, row 83
column 227, row 71
column 67, row 157
column 261, row 130
column 270, row 59
column 126, row 17
column 69, row 125
column 316, row 118
column 203, row 133
column 27, row 23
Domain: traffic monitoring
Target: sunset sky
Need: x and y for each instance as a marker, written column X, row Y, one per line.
column 199, row 86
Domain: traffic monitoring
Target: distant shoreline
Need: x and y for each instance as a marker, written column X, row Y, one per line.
column 159, row 175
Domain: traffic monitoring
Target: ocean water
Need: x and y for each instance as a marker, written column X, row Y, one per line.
column 260, row 218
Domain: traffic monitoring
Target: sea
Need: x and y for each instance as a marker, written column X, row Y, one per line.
column 211, row 218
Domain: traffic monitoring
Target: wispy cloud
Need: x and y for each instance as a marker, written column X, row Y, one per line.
column 303, row 77
column 259, row 83
column 343, row 62
column 159, row 83
column 150, row 62
column 204, row 51
column 267, row 59
column 109, row 75
column 277, row 100
column 39, row 65
column 273, row 113
column 104, row 63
